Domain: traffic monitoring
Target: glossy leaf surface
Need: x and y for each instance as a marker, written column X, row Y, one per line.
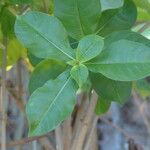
column 51, row 104
column 102, row 106
column 117, row 19
column 89, row 47
column 111, row 90
column 126, row 35
column 111, row 4
column 44, row 71
column 43, row 35
column 80, row 74
column 123, row 60
column 80, row 17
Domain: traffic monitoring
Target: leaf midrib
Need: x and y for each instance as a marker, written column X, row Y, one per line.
column 101, row 28
column 53, row 102
column 79, row 18
column 49, row 41
column 83, row 53
column 116, row 63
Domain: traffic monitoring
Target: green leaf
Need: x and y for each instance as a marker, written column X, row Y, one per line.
column 51, row 104
column 126, row 35
column 7, row 20
column 89, row 47
column 111, row 4
column 123, row 60
column 44, row 71
column 109, row 89
column 43, row 35
column 102, row 106
column 33, row 59
column 117, row 19
column 80, row 74
column 80, row 17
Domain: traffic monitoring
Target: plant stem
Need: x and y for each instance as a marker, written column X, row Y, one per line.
column 85, row 120
column 45, row 142
column 3, row 96
column 67, row 134
column 59, row 141
column 90, row 136
column 144, row 27
column 25, row 140
column 140, row 106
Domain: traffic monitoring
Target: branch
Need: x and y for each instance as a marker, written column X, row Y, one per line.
column 67, row 133
column 141, row 109
column 127, row 136
column 140, row 22
column 3, row 96
column 59, row 141
column 90, row 136
column 85, row 120
column 25, row 140
column 145, row 26
column 82, row 105
column 46, row 143
column 17, row 100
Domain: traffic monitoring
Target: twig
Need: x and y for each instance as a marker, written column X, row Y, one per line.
column 67, row 134
column 127, row 136
column 3, row 97
column 25, row 140
column 90, row 136
column 59, row 141
column 17, row 100
column 19, row 80
column 141, row 110
column 85, row 121
column 139, row 22
column 20, row 126
column 145, row 26
column 24, row 9
column 46, row 143
column 14, row 93
column 82, row 105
